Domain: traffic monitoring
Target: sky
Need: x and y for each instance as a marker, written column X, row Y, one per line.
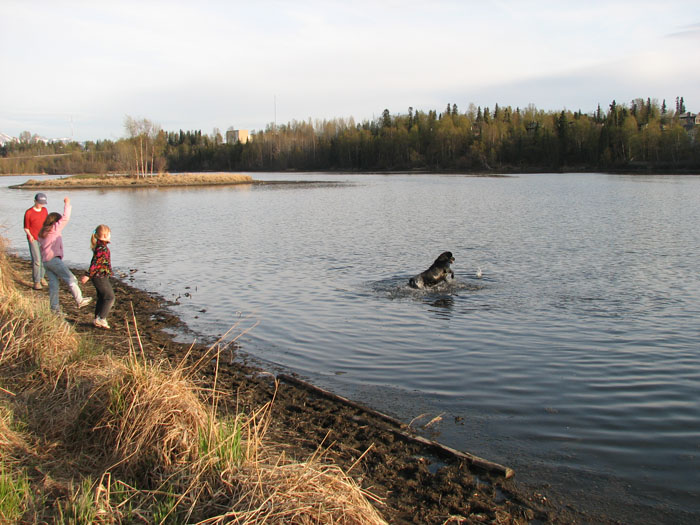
column 76, row 69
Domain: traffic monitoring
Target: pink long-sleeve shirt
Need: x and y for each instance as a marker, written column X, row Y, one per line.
column 52, row 244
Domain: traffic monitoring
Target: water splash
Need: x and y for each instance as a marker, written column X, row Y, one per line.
column 397, row 288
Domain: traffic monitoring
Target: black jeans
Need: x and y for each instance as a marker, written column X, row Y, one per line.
column 105, row 296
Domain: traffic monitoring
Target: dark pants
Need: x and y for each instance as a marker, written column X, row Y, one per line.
column 105, row 296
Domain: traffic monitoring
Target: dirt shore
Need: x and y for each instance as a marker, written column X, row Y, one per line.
column 418, row 481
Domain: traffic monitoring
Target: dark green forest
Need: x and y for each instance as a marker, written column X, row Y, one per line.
column 639, row 136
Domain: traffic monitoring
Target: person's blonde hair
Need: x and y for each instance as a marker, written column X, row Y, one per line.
column 100, row 231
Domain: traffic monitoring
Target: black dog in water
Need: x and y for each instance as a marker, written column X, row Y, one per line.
column 437, row 272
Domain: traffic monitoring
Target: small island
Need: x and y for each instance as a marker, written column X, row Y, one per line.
column 139, row 181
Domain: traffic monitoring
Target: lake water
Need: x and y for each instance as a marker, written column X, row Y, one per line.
column 575, row 359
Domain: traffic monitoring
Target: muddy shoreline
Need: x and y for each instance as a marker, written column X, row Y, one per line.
column 417, row 481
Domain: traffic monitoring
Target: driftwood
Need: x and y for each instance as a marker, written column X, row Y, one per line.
column 402, row 431
column 469, row 459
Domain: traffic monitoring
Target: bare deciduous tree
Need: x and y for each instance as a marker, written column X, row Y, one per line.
column 147, row 143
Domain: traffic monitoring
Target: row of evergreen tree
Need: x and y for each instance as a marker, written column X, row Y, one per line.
column 642, row 135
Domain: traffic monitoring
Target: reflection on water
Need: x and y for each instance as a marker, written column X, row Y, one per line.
column 442, row 303
column 574, row 359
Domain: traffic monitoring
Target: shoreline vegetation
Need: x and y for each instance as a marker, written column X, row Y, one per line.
column 127, row 425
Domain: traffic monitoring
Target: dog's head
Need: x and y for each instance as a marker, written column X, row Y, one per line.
column 444, row 259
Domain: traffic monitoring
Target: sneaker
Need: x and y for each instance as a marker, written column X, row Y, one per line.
column 101, row 323
column 43, row 282
column 86, row 301
column 37, row 286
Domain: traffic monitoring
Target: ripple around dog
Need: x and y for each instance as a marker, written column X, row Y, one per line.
column 398, row 288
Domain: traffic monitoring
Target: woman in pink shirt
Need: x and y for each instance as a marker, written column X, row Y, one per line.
column 52, row 257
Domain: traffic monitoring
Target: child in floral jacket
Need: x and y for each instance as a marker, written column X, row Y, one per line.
column 99, row 272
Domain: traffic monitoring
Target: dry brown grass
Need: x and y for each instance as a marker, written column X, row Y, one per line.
column 130, row 181
column 309, row 492
column 132, row 440
column 12, row 443
column 148, row 415
column 29, row 332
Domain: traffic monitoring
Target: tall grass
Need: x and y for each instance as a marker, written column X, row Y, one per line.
column 132, row 439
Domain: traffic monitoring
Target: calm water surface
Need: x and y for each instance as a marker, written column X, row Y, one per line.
column 575, row 359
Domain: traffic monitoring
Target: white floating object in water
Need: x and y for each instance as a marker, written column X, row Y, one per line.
column 478, row 273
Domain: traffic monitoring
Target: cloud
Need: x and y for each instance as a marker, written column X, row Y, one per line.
column 690, row 32
column 205, row 64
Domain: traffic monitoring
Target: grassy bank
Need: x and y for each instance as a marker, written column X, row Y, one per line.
column 86, row 436
column 132, row 181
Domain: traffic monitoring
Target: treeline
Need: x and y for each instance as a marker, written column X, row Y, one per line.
column 642, row 135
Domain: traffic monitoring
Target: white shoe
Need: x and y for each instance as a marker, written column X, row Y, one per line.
column 86, row 301
column 101, row 323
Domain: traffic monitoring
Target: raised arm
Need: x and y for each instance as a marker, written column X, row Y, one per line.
column 66, row 215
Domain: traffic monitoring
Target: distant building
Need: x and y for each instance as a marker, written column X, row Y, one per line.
column 689, row 120
column 237, row 135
